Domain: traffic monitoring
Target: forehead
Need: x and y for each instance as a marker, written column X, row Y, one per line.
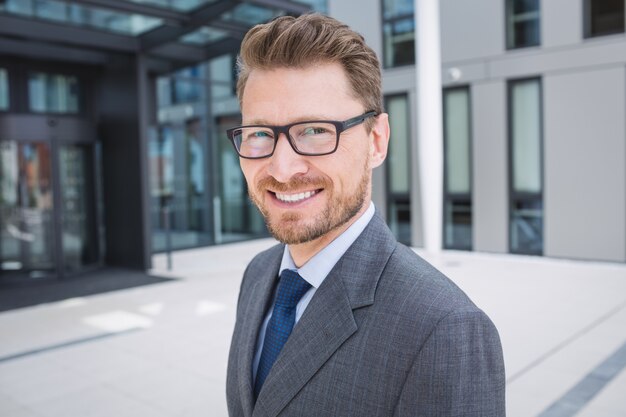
column 284, row 94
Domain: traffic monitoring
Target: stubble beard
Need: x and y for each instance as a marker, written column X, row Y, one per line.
column 292, row 228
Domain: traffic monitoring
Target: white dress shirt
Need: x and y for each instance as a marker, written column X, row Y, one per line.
column 314, row 272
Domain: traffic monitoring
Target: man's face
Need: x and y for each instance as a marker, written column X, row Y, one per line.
column 305, row 197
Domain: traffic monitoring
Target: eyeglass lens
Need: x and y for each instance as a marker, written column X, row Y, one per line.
column 309, row 138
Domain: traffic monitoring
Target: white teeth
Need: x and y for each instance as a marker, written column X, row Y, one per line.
column 294, row 198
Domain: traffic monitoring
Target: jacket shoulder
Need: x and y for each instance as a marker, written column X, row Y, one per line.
column 423, row 289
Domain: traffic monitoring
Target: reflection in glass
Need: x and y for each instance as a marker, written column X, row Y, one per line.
column 180, row 202
column 182, row 5
column 4, row 89
column 78, row 15
column 53, row 93
column 399, row 38
column 604, row 17
column 320, row 6
column 394, row 8
column 251, row 14
column 398, row 168
column 78, row 235
column 239, row 218
column 203, row 36
column 526, row 182
column 23, row 7
column 527, row 226
column 457, row 176
column 188, row 85
column 50, row 10
column 526, row 136
column 26, row 207
column 522, row 23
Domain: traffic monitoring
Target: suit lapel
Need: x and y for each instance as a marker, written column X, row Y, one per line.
column 263, row 283
column 328, row 320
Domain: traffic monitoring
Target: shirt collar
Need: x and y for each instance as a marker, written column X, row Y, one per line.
column 317, row 268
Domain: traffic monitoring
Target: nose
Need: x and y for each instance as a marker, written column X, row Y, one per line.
column 285, row 163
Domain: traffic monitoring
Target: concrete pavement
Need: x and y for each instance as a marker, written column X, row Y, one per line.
column 161, row 350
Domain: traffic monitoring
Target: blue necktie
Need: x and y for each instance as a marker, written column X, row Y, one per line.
column 291, row 288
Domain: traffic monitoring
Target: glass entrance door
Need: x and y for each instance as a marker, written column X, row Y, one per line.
column 78, row 234
column 26, row 209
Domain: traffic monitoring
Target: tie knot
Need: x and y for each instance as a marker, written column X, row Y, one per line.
column 291, row 288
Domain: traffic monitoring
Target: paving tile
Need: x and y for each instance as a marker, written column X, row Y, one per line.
column 46, row 385
column 611, row 401
column 99, row 401
column 169, row 389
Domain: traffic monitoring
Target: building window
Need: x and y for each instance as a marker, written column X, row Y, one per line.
column 53, row 93
column 188, row 85
column 457, row 178
column 398, row 33
column 525, row 167
column 4, row 89
column 522, row 23
column 398, row 169
column 603, row 17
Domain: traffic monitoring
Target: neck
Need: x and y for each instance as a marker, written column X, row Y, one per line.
column 301, row 253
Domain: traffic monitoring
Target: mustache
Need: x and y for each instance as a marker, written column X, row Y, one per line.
column 296, row 183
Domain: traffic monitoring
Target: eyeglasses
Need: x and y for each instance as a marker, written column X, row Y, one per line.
column 311, row 138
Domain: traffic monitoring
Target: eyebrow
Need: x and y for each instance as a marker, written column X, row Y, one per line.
column 296, row 120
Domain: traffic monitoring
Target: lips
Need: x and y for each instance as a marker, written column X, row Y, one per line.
column 295, row 197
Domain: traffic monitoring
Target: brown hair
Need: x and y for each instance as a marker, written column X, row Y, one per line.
column 298, row 42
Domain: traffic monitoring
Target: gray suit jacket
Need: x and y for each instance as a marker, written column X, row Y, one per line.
column 386, row 334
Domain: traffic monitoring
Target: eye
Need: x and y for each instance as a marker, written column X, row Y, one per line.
column 314, row 130
column 255, row 134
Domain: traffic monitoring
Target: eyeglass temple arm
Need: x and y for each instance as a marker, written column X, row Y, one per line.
column 359, row 119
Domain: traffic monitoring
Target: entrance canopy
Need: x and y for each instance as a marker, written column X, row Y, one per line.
column 170, row 34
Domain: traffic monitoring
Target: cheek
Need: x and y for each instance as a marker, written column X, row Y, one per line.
column 250, row 170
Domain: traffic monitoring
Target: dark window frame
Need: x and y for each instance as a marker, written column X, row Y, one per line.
column 449, row 198
column 509, row 43
column 524, row 197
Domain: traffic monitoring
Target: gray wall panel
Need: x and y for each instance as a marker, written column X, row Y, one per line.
column 466, row 72
column 471, row 29
column 585, row 165
column 593, row 53
column 364, row 17
column 399, row 80
column 561, row 22
column 490, row 189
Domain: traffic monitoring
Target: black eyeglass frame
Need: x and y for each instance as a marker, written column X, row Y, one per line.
column 339, row 126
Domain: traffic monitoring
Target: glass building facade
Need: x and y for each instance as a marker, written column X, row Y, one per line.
column 198, row 194
column 112, row 120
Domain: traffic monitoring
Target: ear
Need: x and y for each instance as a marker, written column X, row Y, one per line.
column 379, row 140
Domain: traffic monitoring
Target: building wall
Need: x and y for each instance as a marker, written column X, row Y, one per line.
column 585, row 164
column 584, row 112
column 489, row 167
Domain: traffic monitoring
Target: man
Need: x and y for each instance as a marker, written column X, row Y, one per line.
column 339, row 319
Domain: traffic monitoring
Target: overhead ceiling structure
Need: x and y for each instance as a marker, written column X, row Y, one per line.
column 171, row 34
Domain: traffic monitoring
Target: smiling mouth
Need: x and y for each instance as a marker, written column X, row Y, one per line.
column 295, row 197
